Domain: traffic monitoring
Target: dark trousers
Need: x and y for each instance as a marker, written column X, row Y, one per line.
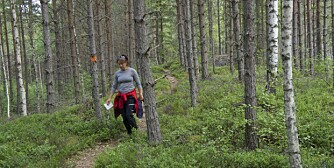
column 127, row 114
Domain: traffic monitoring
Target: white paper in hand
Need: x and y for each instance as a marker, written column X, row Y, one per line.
column 108, row 106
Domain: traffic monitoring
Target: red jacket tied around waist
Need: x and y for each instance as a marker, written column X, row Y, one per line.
column 121, row 98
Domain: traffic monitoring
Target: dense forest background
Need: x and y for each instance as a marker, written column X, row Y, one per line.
column 231, row 79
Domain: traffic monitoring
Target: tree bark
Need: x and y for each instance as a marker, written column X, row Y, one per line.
column 212, row 52
column 25, row 59
column 219, row 33
column 333, row 39
column 18, row 60
column 204, row 56
column 152, row 119
column 237, row 39
column 48, row 57
column 180, row 31
column 191, row 70
column 93, row 59
column 102, row 48
column 310, row 37
column 9, row 62
column 289, row 104
column 295, row 36
column 318, row 31
column 272, row 50
column 4, row 73
column 301, row 34
column 250, row 78
column 325, row 31
column 194, row 41
column 33, row 52
column 57, row 46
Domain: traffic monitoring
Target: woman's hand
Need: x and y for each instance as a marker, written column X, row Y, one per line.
column 141, row 97
column 108, row 101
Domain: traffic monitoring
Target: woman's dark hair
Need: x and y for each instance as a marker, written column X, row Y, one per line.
column 122, row 58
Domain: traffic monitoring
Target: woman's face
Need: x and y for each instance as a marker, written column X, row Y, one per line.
column 123, row 65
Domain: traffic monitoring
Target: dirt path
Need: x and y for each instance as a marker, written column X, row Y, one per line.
column 86, row 158
column 172, row 81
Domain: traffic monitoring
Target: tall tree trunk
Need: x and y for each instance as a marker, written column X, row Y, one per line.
column 152, row 119
column 4, row 73
column 272, row 50
column 74, row 56
column 325, row 30
column 237, row 39
column 131, row 32
column 2, row 61
column 295, row 36
column 211, row 35
column 18, row 59
column 219, row 33
column 102, row 49
column 93, row 59
column 250, row 78
column 289, row 104
column 301, row 34
column 333, row 39
column 58, row 46
column 48, row 57
column 180, row 30
column 191, row 70
column 109, row 33
column 194, row 41
column 33, row 52
column 324, row 39
column 25, row 59
column 319, row 44
column 310, row 37
column 204, row 56
column 9, row 62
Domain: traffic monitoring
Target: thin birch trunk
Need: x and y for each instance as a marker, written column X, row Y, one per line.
column 4, row 75
column 272, row 49
column 18, row 59
column 289, row 103
column 9, row 62
column 25, row 59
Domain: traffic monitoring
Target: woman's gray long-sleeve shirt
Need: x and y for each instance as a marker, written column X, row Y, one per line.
column 123, row 80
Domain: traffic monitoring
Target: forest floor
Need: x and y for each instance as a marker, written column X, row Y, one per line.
column 86, row 158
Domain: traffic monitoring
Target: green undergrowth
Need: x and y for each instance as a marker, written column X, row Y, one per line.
column 48, row 140
column 213, row 133
column 210, row 135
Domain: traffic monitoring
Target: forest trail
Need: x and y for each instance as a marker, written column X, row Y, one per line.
column 172, row 80
column 86, row 158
